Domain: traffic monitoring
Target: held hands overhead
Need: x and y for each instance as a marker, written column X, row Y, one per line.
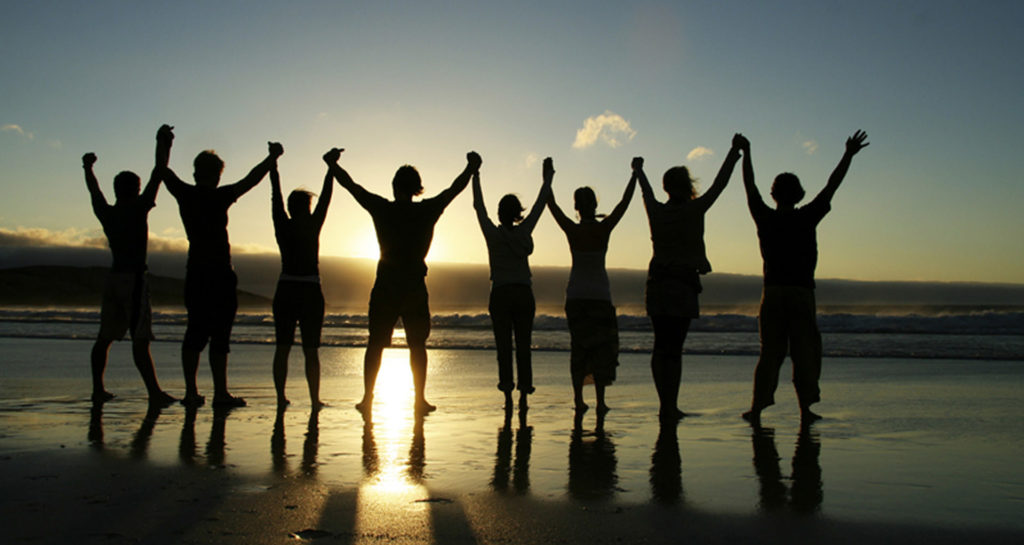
column 333, row 155
column 548, row 170
column 88, row 159
column 740, row 142
column 473, row 161
column 165, row 134
column 275, row 149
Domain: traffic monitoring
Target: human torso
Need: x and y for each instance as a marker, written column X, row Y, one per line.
column 127, row 231
column 204, row 212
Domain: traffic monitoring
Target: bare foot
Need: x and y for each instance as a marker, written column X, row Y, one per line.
column 317, row 405
column 581, row 407
column 228, row 401
column 806, row 416
column 365, row 406
column 422, row 407
column 193, row 400
column 161, row 399
column 671, row 414
column 603, row 409
column 102, row 396
column 753, row 416
column 283, row 401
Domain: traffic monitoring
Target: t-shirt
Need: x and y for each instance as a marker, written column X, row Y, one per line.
column 299, row 242
column 204, row 212
column 677, row 234
column 508, row 250
column 127, row 230
column 405, row 230
column 789, row 242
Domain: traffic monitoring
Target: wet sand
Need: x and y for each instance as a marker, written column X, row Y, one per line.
column 910, row 451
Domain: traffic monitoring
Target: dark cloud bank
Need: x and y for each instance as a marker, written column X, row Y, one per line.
column 464, row 288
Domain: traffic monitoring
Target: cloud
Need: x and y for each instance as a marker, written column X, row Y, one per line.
column 810, row 146
column 27, row 237
column 11, row 127
column 609, row 127
column 531, row 159
column 698, row 153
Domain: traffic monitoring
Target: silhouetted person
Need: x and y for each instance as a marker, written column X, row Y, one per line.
column 404, row 231
column 298, row 298
column 788, row 321
column 673, row 277
column 512, row 305
column 126, row 306
column 211, row 297
column 593, row 330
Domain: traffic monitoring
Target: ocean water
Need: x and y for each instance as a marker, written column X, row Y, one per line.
column 989, row 333
column 927, row 441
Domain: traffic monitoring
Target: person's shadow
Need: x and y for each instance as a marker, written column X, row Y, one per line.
column 592, row 462
column 217, row 445
column 278, row 452
column 187, row 440
column 666, row 474
column 503, row 460
column 804, row 495
column 95, row 434
column 417, row 451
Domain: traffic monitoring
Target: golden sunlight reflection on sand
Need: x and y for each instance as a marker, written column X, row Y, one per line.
column 393, row 455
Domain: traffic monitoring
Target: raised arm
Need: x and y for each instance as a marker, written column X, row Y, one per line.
column 854, row 144
column 93, row 185
column 620, row 209
column 277, row 210
column 361, row 195
column 320, row 212
column 478, row 203
column 548, row 174
column 255, row 176
column 650, row 201
column 754, row 200
column 561, row 219
column 724, row 173
column 164, row 137
column 473, row 162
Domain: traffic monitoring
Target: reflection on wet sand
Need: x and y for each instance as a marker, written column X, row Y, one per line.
column 503, row 461
column 95, row 435
column 592, row 462
column 140, row 441
column 666, row 475
column 804, row 495
column 278, row 451
column 311, row 445
column 187, row 441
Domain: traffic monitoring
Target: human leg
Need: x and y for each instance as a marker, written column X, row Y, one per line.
column 98, row 363
column 667, row 361
column 312, row 355
column 773, row 329
column 501, row 323
column 143, row 359
column 805, row 350
column 281, row 371
column 226, row 305
column 311, row 321
column 371, row 366
column 189, row 367
column 522, row 321
column 418, row 363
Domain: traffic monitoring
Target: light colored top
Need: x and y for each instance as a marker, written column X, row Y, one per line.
column 509, row 248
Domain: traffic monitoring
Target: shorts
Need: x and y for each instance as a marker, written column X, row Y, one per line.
column 594, row 339
column 391, row 300
column 211, row 299
column 126, row 307
column 299, row 303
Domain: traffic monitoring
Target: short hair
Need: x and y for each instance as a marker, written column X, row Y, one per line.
column 511, row 209
column 299, row 200
column 126, row 184
column 207, row 163
column 677, row 182
column 786, row 189
column 407, row 181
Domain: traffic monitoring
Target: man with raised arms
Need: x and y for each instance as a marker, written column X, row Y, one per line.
column 211, row 298
column 788, row 321
column 405, row 229
column 126, row 306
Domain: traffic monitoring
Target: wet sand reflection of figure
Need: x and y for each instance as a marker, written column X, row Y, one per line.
column 666, row 474
column 787, row 320
column 592, row 462
column 405, row 230
column 298, row 298
column 512, row 305
column 126, row 305
column 673, row 276
column 211, row 298
column 805, row 492
column 593, row 330
column 504, row 463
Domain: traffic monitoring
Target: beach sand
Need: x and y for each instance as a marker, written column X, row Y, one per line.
column 910, row 451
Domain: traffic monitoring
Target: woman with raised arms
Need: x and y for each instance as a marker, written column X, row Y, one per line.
column 593, row 330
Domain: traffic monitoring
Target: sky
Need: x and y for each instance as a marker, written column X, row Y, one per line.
column 937, row 86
